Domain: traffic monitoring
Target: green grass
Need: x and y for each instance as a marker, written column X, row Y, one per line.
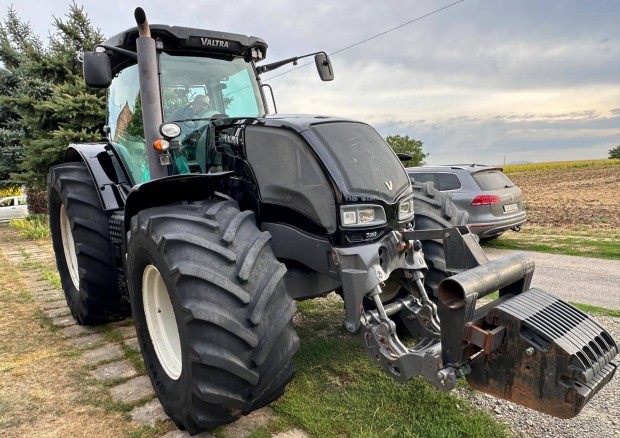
column 51, row 275
column 340, row 392
column 570, row 244
column 33, row 227
column 596, row 310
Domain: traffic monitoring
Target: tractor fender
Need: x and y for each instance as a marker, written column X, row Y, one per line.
column 106, row 170
column 178, row 188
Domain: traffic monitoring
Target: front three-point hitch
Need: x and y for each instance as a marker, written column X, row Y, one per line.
column 526, row 346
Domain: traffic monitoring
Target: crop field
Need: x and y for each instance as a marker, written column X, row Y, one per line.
column 573, row 208
column 575, row 195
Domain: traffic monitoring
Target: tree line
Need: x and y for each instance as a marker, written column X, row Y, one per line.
column 45, row 105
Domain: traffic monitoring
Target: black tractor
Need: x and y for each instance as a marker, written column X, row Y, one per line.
column 204, row 217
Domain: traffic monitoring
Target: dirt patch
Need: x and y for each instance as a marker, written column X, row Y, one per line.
column 39, row 393
column 582, row 198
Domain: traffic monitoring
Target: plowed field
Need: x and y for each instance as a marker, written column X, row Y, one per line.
column 571, row 198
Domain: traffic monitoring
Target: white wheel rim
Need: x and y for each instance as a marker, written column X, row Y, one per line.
column 161, row 322
column 68, row 246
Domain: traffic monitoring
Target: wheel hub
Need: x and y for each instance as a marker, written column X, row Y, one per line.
column 161, row 322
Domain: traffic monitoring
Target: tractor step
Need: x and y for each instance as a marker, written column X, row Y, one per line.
column 554, row 358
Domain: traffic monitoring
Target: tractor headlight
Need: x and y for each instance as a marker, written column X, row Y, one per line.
column 405, row 209
column 170, row 130
column 362, row 215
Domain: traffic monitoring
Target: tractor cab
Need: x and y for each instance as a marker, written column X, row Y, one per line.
column 202, row 76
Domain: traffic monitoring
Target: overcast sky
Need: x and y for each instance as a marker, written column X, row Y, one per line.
column 485, row 81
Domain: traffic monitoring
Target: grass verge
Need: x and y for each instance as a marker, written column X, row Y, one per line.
column 596, row 310
column 585, row 243
column 33, row 227
column 340, row 392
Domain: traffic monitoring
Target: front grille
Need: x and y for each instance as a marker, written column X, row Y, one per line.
column 116, row 228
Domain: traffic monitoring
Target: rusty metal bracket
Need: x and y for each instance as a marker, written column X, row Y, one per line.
column 488, row 340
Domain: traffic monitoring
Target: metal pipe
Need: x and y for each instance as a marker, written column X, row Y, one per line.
column 150, row 98
column 484, row 279
column 392, row 308
column 144, row 30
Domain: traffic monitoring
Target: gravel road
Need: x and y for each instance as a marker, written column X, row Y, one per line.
column 579, row 279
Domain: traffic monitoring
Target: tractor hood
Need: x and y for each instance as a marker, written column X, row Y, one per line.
column 359, row 161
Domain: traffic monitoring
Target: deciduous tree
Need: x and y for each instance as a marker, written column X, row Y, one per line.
column 410, row 146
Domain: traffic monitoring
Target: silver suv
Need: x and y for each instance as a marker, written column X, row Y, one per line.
column 493, row 202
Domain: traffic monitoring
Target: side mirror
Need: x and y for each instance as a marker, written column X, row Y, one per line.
column 97, row 69
column 324, row 66
column 403, row 156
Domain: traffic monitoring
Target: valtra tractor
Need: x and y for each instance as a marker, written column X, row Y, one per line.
column 205, row 218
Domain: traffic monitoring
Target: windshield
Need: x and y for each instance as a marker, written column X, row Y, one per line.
column 367, row 164
column 196, row 89
column 492, row 180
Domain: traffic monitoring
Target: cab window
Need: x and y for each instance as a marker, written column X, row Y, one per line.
column 125, row 122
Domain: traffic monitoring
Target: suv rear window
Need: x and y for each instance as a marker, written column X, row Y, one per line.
column 492, row 180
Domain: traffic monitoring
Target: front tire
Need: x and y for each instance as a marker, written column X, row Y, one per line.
column 211, row 312
column 434, row 210
column 81, row 241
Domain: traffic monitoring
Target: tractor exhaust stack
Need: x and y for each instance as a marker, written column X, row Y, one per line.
column 150, row 97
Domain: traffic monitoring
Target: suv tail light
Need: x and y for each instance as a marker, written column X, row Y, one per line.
column 485, row 200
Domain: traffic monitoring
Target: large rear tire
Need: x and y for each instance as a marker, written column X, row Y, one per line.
column 433, row 210
column 211, row 312
column 81, row 241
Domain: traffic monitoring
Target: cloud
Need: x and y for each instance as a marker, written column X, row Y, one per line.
column 532, row 137
column 477, row 81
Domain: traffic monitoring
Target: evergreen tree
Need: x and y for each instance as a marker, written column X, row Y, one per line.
column 54, row 106
column 406, row 145
column 11, row 132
